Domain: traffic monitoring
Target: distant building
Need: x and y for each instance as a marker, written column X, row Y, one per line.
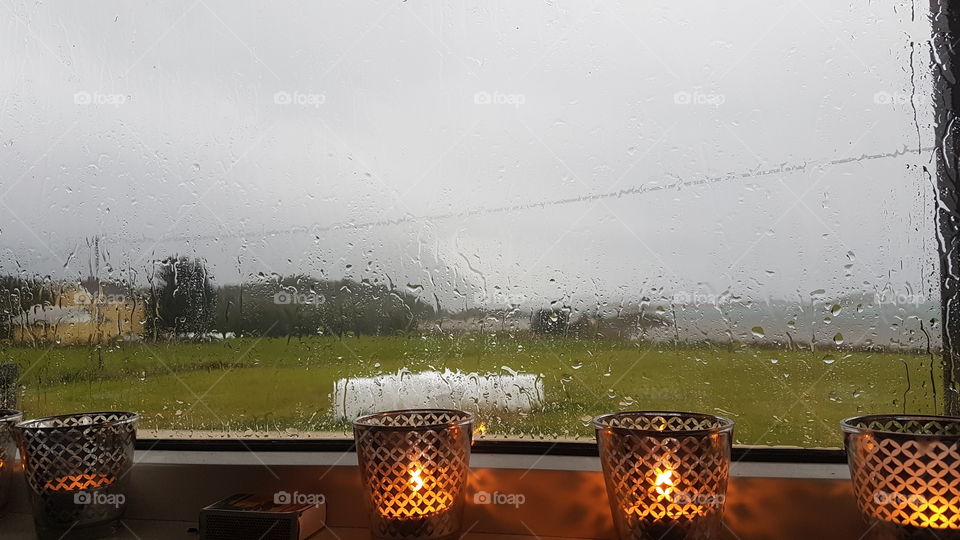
column 85, row 313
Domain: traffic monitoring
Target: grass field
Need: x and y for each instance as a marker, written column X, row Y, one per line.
column 282, row 387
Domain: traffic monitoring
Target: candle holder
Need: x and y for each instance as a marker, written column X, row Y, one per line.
column 414, row 467
column 77, row 468
column 666, row 472
column 906, row 474
column 8, row 452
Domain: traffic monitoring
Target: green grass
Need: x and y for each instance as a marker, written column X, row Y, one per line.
column 282, row 386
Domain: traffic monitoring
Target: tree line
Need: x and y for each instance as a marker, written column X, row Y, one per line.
column 181, row 301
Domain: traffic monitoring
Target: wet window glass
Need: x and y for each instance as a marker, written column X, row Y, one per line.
column 244, row 220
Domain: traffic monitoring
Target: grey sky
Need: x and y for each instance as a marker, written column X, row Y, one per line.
column 171, row 122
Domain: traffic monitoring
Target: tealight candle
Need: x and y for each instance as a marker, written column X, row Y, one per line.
column 414, row 466
column 920, row 500
column 666, row 472
column 77, row 467
column 8, row 452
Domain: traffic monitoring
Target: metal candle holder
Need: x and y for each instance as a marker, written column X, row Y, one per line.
column 8, row 452
column 666, row 472
column 77, row 468
column 906, row 474
column 414, row 466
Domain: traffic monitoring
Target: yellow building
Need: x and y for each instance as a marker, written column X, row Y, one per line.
column 88, row 313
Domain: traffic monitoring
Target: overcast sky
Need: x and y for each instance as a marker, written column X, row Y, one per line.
column 476, row 149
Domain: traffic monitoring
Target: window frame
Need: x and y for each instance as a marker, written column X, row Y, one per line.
column 945, row 22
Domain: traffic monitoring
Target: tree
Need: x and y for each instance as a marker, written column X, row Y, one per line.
column 181, row 299
column 301, row 305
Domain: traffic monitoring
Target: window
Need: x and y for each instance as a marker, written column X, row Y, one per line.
column 264, row 221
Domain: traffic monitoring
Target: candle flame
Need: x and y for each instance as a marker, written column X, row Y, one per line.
column 481, row 429
column 416, row 478
column 664, row 481
column 420, row 490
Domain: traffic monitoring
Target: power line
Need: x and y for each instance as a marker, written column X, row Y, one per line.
column 520, row 207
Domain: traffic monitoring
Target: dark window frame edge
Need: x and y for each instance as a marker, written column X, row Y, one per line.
column 748, row 454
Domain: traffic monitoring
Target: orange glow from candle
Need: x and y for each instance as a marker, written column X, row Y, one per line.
column 418, row 494
column 664, row 502
column 933, row 513
column 79, row 482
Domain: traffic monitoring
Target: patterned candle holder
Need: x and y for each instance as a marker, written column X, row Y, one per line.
column 906, row 474
column 414, row 466
column 77, row 468
column 666, row 472
column 8, row 452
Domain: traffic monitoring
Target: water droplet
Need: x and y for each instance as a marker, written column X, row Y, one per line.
column 758, row 331
column 838, row 339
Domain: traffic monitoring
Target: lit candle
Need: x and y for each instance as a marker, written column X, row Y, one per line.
column 904, row 471
column 79, row 482
column 666, row 472
column 417, row 496
column 414, row 465
column 667, row 512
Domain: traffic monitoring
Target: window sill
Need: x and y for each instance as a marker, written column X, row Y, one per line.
column 564, row 496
